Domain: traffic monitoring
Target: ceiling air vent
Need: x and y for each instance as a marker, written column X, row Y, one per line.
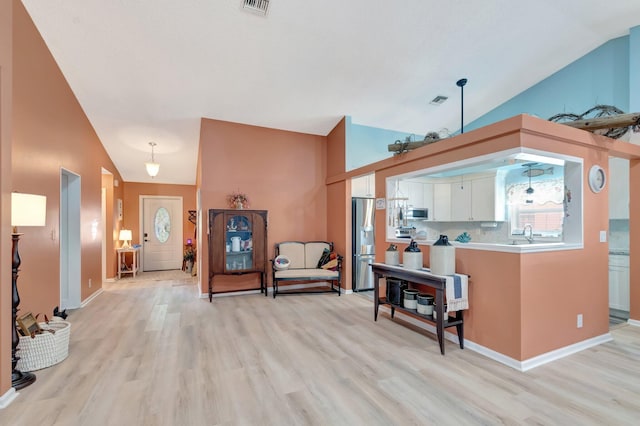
column 257, row 6
column 438, row 100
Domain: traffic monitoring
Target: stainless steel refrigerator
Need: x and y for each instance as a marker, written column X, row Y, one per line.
column 363, row 242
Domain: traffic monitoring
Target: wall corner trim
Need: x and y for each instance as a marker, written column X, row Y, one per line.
column 8, row 398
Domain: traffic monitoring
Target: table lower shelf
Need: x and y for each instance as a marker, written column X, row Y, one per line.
column 449, row 321
column 456, row 321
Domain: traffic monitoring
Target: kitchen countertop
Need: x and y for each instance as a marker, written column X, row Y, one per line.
column 524, row 247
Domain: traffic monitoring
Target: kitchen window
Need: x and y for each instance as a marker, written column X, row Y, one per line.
column 538, row 204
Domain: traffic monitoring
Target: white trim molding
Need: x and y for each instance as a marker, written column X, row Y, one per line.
column 542, row 359
column 525, row 365
column 8, row 398
column 89, row 299
column 633, row 322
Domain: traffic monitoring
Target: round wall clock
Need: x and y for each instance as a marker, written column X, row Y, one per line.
column 597, row 178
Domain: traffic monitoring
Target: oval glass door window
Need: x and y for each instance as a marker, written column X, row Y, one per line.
column 162, row 223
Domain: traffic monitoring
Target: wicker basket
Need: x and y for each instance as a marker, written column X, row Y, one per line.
column 45, row 349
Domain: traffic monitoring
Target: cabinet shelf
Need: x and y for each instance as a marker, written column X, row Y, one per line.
column 238, row 253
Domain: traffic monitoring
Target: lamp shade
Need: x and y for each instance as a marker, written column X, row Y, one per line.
column 125, row 235
column 28, row 209
column 152, row 168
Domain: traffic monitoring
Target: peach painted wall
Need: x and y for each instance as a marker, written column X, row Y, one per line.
column 282, row 172
column 51, row 133
column 339, row 194
column 112, row 225
column 5, row 189
column 131, row 202
column 528, row 305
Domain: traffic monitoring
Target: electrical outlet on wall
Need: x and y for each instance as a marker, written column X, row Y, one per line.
column 579, row 321
column 89, row 282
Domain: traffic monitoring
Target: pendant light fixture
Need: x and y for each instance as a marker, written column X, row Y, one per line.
column 461, row 83
column 529, row 191
column 152, row 167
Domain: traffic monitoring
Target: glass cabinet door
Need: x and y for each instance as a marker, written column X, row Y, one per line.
column 238, row 242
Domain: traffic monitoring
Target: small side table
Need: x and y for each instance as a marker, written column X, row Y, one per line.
column 135, row 262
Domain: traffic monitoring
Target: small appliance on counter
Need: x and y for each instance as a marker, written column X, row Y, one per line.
column 405, row 232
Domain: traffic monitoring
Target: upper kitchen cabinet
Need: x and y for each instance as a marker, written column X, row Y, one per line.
column 414, row 191
column 478, row 198
column 441, row 211
column 619, row 179
column 364, row 186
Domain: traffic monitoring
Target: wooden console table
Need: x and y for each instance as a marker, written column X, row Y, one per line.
column 420, row 277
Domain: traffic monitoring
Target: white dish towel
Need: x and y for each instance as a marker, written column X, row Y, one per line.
column 457, row 292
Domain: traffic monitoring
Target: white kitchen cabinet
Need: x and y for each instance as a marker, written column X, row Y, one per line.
column 414, row 191
column 619, row 282
column 478, row 199
column 618, row 188
column 441, row 202
column 428, row 198
column 363, row 186
column 461, row 201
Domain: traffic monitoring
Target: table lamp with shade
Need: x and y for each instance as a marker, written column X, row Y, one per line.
column 126, row 236
column 26, row 210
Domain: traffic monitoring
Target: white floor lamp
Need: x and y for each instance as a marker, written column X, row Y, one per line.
column 26, row 210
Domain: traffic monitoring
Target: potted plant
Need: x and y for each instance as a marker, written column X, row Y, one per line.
column 189, row 257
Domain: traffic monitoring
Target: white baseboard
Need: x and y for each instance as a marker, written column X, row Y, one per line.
column 503, row 359
column 88, row 300
column 542, row 359
column 8, row 398
column 633, row 322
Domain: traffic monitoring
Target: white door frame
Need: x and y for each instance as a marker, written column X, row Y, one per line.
column 103, row 202
column 70, row 240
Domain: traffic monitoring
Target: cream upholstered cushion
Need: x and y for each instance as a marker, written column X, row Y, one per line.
column 313, row 252
column 306, row 273
column 295, row 252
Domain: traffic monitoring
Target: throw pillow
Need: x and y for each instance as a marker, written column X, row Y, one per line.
column 332, row 265
column 326, row 257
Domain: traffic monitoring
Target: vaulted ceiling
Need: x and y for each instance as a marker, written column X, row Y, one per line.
column 148, row 70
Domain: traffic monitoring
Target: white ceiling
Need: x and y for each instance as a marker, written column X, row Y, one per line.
column 146, row 70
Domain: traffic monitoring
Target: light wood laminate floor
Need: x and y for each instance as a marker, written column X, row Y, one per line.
column 149, row 352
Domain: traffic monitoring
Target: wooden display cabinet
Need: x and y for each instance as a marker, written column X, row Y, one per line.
column 237, row 245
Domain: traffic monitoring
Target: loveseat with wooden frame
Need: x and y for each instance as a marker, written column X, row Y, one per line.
column 303, row 258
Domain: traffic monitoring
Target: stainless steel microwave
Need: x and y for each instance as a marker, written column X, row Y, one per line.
column 418, row 213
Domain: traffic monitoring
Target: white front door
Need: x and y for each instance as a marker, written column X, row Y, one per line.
column 161, row 233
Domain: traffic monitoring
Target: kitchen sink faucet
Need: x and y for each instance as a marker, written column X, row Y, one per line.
column 524, row 232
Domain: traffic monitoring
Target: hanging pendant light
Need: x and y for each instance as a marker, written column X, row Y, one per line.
column 152, row 167
column 461, row 83
column 529, row 190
